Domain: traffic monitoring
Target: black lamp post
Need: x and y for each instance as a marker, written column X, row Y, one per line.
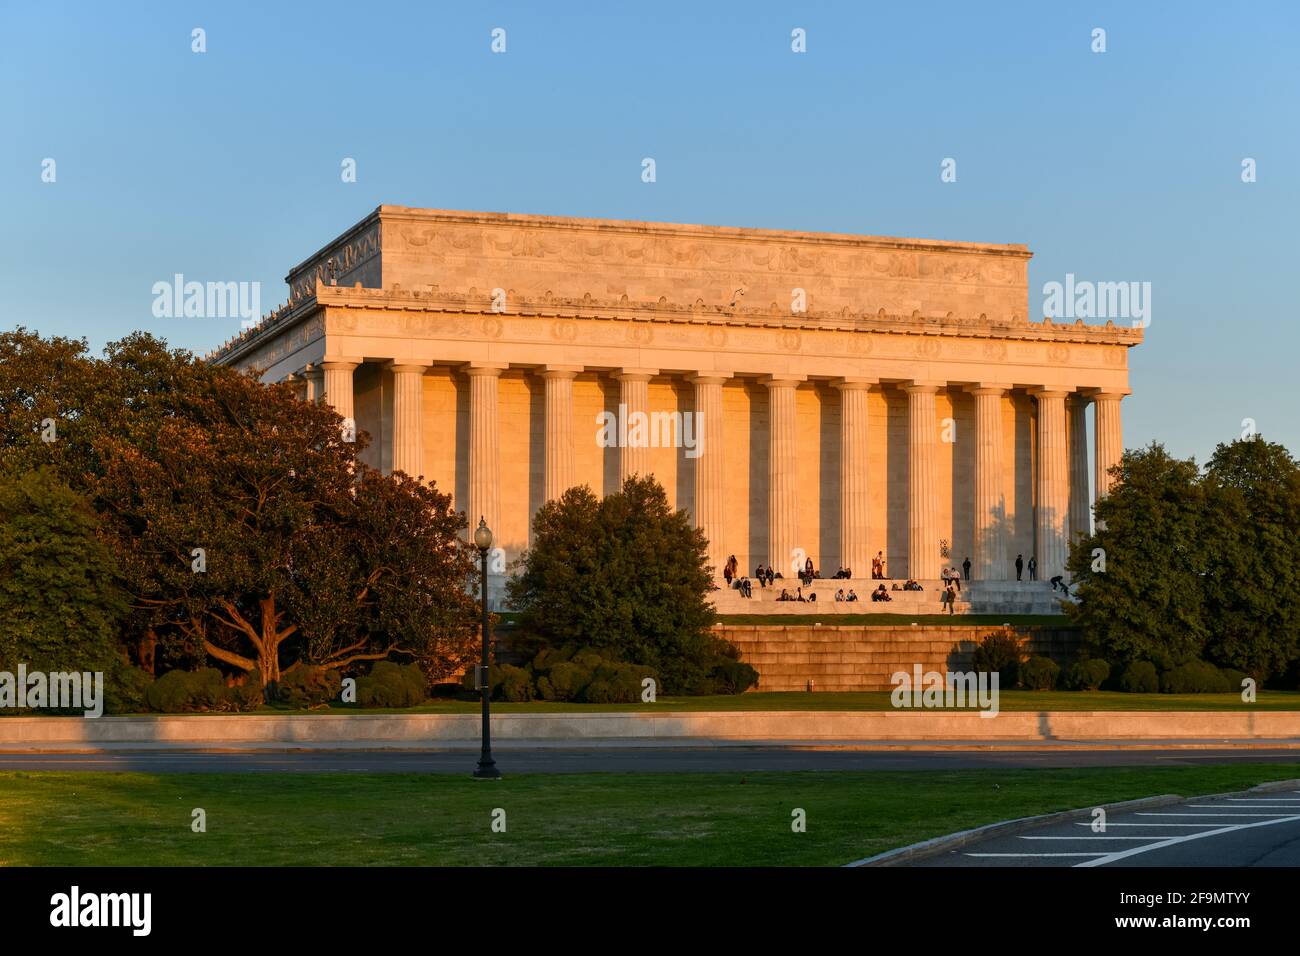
column 487, row 767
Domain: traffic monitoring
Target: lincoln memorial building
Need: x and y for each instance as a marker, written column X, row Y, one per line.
column 811, row 394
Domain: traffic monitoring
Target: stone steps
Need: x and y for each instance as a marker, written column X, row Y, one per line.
column 860, row 658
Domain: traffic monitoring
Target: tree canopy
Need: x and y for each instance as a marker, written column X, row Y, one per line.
column 243, row 525
column 1190, row 564
column 626, row 575
column 60, row 599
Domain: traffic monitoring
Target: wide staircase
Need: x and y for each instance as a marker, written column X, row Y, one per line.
column 975, row 597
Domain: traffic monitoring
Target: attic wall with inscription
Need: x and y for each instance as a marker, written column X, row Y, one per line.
column 684, row 264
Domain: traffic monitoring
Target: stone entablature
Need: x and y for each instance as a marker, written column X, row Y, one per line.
column 842, row 336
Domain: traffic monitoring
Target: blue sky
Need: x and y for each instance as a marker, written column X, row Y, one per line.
column 1122, row 166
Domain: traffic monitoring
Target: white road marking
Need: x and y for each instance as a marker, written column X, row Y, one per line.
column 1095, row 836
column 1152, row 814
column 1173, row 841
column 1109, row 825
column 1023, row 855
column 1271, row 800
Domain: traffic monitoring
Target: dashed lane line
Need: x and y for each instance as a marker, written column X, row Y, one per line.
column 1153, row 814
column 1095, row 836
column 1023, row 856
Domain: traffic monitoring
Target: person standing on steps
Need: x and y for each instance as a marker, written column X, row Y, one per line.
column 1033, row 568
column 1020, row 565
column 965, row 569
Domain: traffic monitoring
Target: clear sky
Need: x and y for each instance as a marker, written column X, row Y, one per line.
column 1117, row 166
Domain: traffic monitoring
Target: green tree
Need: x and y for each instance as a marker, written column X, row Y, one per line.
column 627, row 576
column 60, row 599
column 259, row 538
column 245, row 527
column 1252, row 557
column 1139, row 575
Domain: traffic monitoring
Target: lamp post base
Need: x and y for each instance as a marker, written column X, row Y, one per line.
column 487, row 770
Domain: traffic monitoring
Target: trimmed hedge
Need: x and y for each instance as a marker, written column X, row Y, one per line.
column 1087, row 674
column 583, row 675
column 202, row 690
column 1039, row 673
column 1234, row 678
column 1140, row 678
column 1194, row 677
column 308, row 685
column 392, row 685
column 999, row 652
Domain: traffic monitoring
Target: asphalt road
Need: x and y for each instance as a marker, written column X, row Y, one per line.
column 1239, row 830
column 627, row 760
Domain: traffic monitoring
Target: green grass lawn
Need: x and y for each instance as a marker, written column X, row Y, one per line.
column 689, row 819
column 1010, row 700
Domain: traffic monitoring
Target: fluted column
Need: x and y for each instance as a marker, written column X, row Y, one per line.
column 338, row 389
column 990, row 522
column 782, row 474
column 408, row 418
column 559, row 452
column 314, row 376
column 710, row 498
column 634, row 398
column 1110, row 438
column 1051, row 512
column 484, row 449
column 1076, row 408
column 922, row 506
column 855, row 545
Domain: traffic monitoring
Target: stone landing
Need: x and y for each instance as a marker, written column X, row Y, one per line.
column 975, row 597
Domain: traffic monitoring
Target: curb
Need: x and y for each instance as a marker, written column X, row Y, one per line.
column 953, row 841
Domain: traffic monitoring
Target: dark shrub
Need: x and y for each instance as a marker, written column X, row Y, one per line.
column 178, row 692
column 392, row 685
column 1039, row 673
column 734, row 677
column 1140, row 678
column 548, row 657
column 1194, row 677
column 567, row 680
column 1087, row 674
column 246, row 694
column 169, row 694
column 308, row 685
column 614, row 689
column 1001, row 653
column 516, row 684
column 125, row 690
column 1234, row 678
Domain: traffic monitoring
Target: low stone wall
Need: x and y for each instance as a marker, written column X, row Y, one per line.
column 646, row 728
column 837, row 658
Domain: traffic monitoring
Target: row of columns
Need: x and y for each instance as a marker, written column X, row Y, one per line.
column 1062, row 504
